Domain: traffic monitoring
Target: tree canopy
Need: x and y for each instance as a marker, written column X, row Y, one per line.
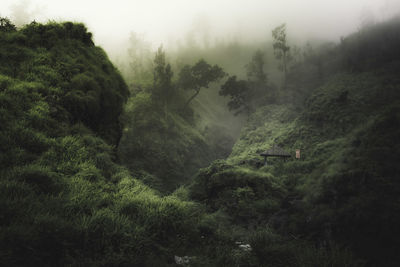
column 198, row 76
column 247, row 95
column 163, row 89
column 6, row 25
column 239, row 93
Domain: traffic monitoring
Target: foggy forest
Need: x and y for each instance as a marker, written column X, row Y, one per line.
column 200, row 133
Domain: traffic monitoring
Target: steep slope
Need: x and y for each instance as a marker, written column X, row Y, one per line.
column 163, row 149
column 63, row 199
column 342, row 195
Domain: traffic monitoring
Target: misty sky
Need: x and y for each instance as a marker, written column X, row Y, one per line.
column 164, row 20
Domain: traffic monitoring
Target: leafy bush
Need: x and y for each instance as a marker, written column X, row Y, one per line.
column 248, row 196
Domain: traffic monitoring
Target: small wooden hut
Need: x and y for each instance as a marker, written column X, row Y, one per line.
column 275, row 151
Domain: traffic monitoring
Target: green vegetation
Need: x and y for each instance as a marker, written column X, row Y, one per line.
column 199, row 76
column 164, row 145
column 162, row 141
column 97, row 173
column 64, row 200
column 247, row 95
column 340, row 195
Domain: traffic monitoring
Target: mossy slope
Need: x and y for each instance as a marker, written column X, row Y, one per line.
column 343, row 191
column 64, row 200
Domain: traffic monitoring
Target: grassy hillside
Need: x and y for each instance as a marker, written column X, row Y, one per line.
column 64, row 200
column 342, row 194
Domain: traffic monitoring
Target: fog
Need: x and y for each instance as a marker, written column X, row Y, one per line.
column 168, row 22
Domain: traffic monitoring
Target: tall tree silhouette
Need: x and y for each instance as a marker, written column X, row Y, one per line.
column 281, row 48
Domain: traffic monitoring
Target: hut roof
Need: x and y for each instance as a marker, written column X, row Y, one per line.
column 275, row 151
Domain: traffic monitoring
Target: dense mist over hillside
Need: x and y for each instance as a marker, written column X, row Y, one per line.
column 176, row 21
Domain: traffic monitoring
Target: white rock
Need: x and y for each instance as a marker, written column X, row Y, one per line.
column 245, row 247
column 182, row 260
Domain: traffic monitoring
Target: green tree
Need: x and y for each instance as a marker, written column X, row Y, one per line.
column 255, row 69
column 239, row 93
column 246, row 95
column 257, row 80
column 199, row 76
column 281, row 48
column 163, row 90
column 6, row 25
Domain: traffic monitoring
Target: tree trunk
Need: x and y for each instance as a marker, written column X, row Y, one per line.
column 191, row 98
